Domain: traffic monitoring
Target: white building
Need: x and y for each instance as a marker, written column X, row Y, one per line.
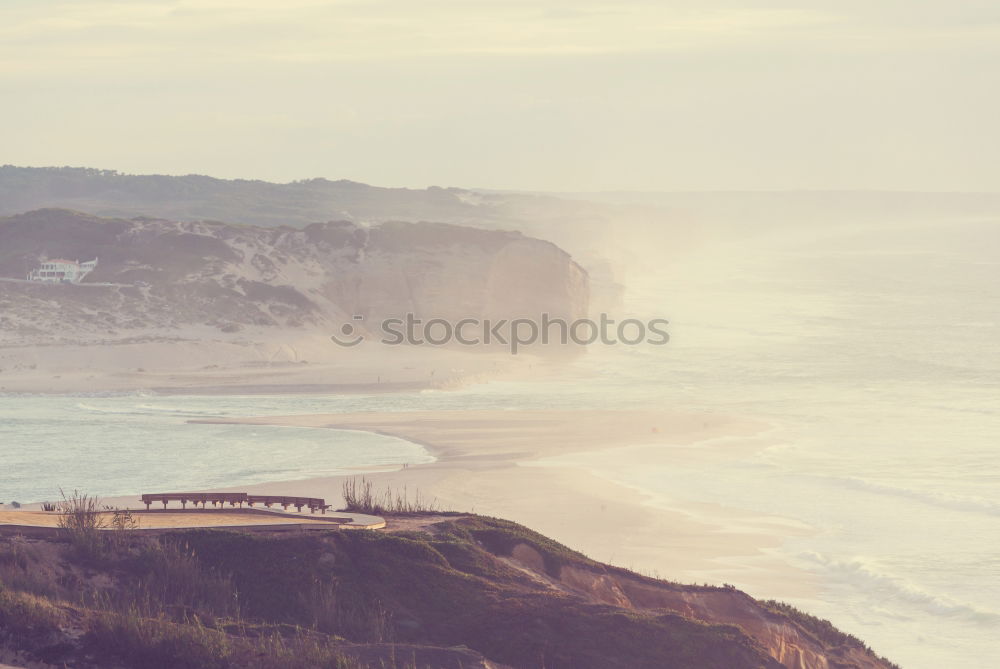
column 62, row 271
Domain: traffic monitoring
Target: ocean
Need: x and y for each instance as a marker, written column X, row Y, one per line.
column 872, row 350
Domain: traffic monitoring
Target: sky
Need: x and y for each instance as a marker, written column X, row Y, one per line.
column 554, row 95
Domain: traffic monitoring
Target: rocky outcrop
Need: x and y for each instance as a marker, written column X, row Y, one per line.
column 789, row 641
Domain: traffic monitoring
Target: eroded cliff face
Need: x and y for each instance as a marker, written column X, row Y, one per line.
column 789, row 641
column 163, row 275
column 448, row 589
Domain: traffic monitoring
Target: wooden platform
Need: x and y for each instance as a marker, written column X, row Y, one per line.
column 46, row 523
column 236, row 499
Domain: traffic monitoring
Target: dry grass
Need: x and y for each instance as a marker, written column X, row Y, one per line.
column 83, row 519
column 360, row 496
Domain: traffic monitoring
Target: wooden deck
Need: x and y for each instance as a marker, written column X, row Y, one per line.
column 46, row 523
column 237, row 499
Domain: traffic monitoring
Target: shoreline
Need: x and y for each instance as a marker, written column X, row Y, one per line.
column 309, row 365
column 490, row 462
column 522, row 465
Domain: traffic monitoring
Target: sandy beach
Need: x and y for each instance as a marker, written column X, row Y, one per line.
column 200, row 362
column 494, row 463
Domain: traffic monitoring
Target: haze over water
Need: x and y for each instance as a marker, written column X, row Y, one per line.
column 874, row 351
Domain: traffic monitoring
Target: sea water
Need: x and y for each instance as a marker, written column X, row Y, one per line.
column 127, row 444
column 872, row 350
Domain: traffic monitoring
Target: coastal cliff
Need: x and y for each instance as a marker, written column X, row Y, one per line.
column 236, row 295
column 166, row 274
column 441, row 590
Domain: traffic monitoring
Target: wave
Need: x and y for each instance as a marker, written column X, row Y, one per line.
column 181, row 411
column 149, row 410
column 866, row 576
column 104, row 410
column 950, row 501
column 93, row 394
column 986, row 411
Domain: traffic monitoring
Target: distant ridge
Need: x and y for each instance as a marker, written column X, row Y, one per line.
column 236, row 276
column 565, row 218
column 196, row 197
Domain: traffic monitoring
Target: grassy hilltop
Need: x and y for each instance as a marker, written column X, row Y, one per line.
column 442, row 590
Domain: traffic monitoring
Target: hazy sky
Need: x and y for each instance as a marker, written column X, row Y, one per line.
column 556, row 95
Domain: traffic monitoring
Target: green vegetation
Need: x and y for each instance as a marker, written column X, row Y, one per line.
column 444, row 595
column 501, row 536
column 445, row 589
column 145, row 625
column 158, row 643
column 821, row 629
column 27, row 614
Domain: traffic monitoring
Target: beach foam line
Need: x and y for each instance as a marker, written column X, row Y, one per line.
column 943, row 500
column 865, row 574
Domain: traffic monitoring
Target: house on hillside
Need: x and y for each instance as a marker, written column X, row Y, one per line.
column 62, row 271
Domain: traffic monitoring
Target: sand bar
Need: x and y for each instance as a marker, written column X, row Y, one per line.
column 485, row 465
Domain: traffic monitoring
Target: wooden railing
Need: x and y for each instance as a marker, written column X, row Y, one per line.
column 216, row 499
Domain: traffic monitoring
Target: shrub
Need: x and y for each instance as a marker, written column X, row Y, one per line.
column 170, row 575
column 83, row 520
column 123, row 525
column 19, row 570
column 360, row 496
column 24, row 614
column 156, row 643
